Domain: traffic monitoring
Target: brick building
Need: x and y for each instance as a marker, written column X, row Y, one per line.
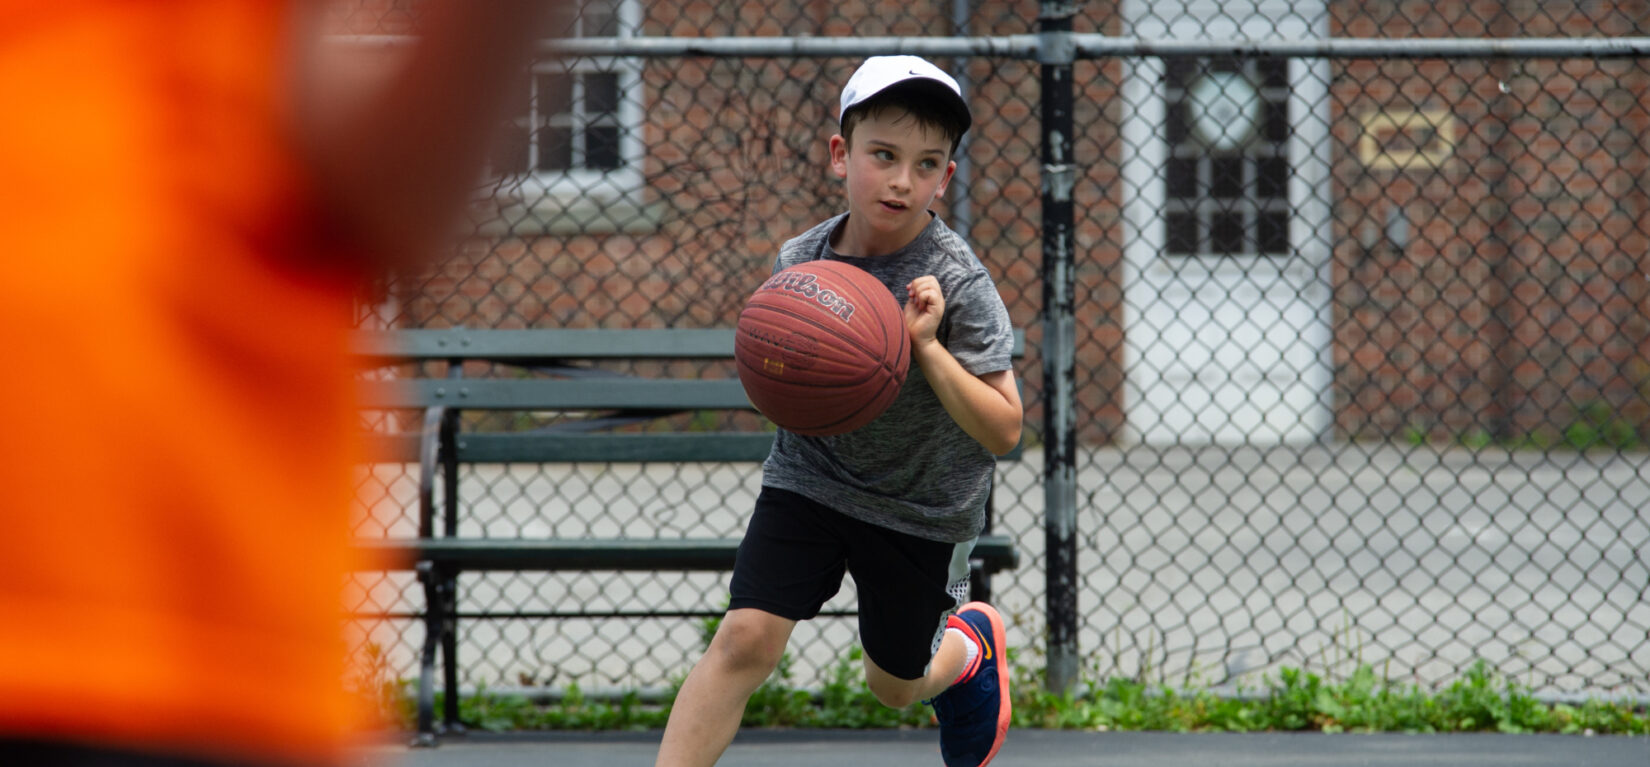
column 1268, row 250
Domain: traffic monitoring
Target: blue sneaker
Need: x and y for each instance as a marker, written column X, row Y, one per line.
column 975, row 711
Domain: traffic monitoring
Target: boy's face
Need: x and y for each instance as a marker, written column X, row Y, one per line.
column 894, row 171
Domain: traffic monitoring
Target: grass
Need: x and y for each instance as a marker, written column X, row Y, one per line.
column 1591, row 425
column 1482, row 700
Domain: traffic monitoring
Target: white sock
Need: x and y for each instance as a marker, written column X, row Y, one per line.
column 970, row 649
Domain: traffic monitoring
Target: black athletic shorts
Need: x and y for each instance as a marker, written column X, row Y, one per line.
column 795, row 552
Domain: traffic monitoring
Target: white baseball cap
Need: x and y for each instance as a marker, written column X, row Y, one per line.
column 878, row 73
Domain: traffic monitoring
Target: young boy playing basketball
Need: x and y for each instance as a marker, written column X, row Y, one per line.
column 899, row 502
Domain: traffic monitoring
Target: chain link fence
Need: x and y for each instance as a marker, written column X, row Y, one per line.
column 1361, row 352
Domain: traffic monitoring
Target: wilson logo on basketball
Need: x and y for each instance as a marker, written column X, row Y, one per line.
column 807, row 286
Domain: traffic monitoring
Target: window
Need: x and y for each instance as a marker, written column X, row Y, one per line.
column 580, row 131
column 1227, row 172
column 573, row 123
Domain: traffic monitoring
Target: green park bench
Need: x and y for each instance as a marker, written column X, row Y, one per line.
column 566, row 379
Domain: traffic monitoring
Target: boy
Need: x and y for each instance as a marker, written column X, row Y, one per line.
column 899, row 502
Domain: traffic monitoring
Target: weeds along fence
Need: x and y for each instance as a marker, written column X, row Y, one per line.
column 1337, row 318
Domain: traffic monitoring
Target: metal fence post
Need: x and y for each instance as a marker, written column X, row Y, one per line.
column 962, row 205
column 1055, row 53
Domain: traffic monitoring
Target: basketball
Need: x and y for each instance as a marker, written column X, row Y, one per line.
column 822, row 348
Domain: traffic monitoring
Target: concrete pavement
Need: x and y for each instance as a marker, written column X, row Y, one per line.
column 1043, row 748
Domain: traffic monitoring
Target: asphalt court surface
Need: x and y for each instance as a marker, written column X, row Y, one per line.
column 1043, row 748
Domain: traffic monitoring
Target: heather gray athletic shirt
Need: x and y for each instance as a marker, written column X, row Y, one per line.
column 913, row 469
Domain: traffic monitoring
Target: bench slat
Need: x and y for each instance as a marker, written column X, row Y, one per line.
column 544, row 345
column 558, row 394
column 622, row 448
column 997, row 552
column 553, row 447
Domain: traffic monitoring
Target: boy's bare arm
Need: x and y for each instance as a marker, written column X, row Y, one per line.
column 988, row 406
column 396, row 139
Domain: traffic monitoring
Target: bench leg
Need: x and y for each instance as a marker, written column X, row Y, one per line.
column 447, row 584
column 979, row 583
column 449, row 656
column 426, row 670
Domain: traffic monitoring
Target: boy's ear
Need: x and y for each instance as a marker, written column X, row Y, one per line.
column 950, row 170
column 839, row 156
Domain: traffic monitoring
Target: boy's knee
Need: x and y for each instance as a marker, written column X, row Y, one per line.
column 749, row 644
column 892, row 691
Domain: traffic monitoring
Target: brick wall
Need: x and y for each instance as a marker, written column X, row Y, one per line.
column 1493, row 287
column 1500, row 288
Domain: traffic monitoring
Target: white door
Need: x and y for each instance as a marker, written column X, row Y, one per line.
column 1226, row 215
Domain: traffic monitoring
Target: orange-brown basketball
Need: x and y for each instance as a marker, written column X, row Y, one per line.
column 822, row 348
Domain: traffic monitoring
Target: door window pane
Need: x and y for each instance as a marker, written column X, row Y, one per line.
column 1274, row 73
column 1226, row 233
column 1271, row 177
column 1181, row 175
column 1226, row 177
column 1182, row 233
column 1272, row 233
column 1276, row 121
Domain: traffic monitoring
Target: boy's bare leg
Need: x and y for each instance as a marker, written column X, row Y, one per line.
column 746, row 649
column 942, row 671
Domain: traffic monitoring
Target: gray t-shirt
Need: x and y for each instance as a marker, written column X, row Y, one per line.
column 913, row 469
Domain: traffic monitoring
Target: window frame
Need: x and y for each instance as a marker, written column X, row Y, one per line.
column 531, row 185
